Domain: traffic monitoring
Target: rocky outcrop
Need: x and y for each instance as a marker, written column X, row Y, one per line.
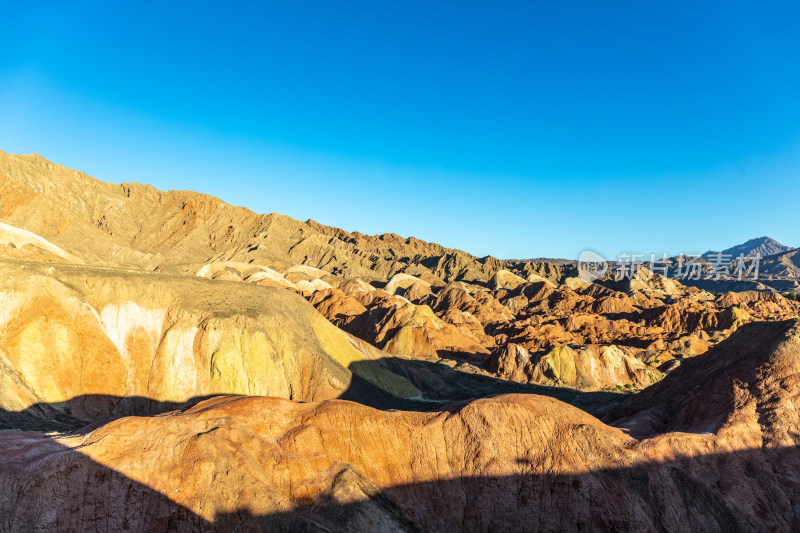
column 408, row 286
column 81, row 341
column 580, row 367
column 21, row 244
column 503, row 279
column 396, row 325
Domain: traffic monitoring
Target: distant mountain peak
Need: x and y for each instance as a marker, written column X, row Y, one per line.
column 763, row 246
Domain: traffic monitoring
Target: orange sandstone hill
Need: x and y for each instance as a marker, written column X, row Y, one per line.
column 522, row 321
column 135, row 225
column 172, row 362
column 727, row 460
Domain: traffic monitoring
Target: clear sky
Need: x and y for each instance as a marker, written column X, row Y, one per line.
column 516, row 129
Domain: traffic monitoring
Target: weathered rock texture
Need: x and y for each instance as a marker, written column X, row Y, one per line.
column 588, row 336
column 119, row 300
column 81, row 341
column 431, row 303
column 725, row 458
column 136, row 225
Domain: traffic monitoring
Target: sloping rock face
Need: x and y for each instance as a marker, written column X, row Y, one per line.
column 762, row 246
column 435, row 302
column 785, row 266
column 396, row 325
column 583, row 368
column 135, row 225
column 725, row 458
column 21, row 244
column 92, row 343
column 139, row 226
column 741, row 385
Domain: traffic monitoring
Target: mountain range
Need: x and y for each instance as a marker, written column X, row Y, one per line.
column 171, row 362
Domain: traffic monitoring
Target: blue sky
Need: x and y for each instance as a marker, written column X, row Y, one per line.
column 516, row 129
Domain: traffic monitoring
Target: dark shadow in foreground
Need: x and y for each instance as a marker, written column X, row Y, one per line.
column 59, row 489
column 91, row 409
column 442, row 385
column 443, row 388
